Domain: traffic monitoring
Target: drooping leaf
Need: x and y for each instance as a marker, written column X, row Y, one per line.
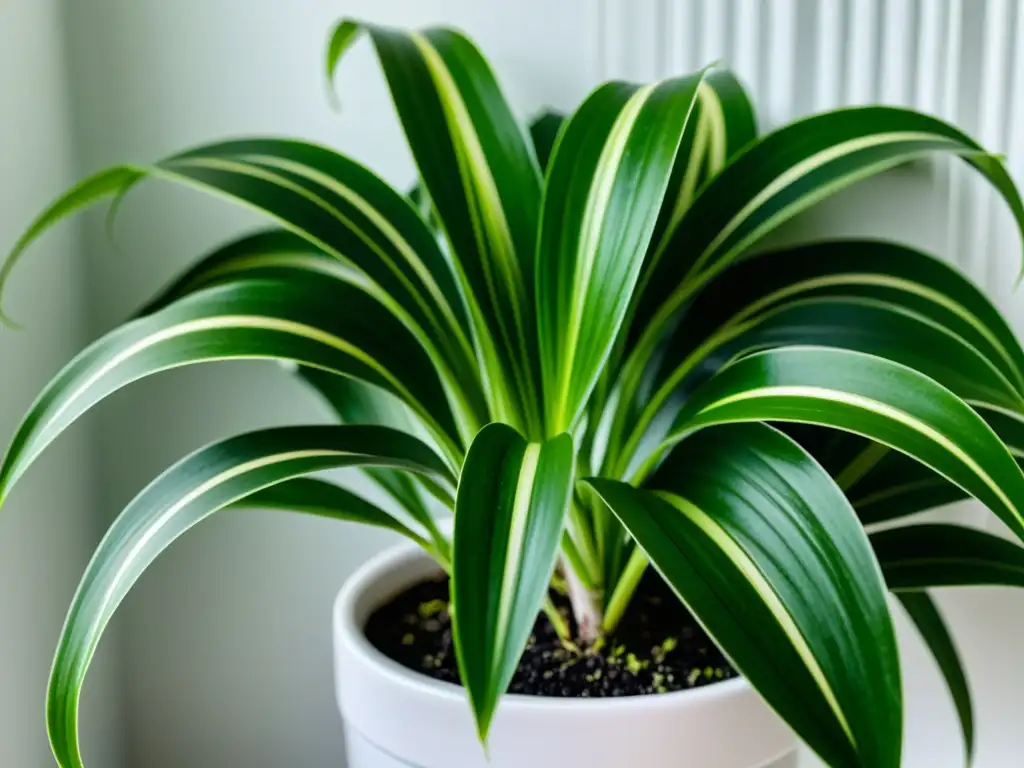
column 605, row 186
column 324, row 499
column 794, row 168
column 194, row 488
column 896, row 485
column 484, row 183
column 916, row 557
column 326, row 324
column 509, row 517
column 271, row 253
column 355, row 402
column 776, row 178
column 762, row 546
column 876, row 398
column 926, row 617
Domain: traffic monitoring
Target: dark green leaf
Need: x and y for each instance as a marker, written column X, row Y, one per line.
column 199, row 485
column 484, row 183
column 917, row 557
column 605, row 186
column 321, row 323
column 928, row 620
column 870, row 396
column 762, row 546
column 509, row 517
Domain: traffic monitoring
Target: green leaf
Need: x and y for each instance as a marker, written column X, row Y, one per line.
column 270, row 253
column 544, row 130
column 99, row 185
column 740, row 308
column 917, row 557
column 355, row 402
column 870, row 396
column 509, row 516
column 884, row 330
column 896, row 485
column 210, row 479
column 899, row 486
column 776, row 178
column 605, row 186
column 324, row 499
column 484, row 181
column 326, row 324
column 342, row 209
column 762, row 546
column 794, row 168
column 926, row 617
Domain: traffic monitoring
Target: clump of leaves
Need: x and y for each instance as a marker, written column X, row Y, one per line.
column 568, row 337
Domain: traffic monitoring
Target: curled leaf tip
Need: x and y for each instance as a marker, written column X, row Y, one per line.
column 341, row 39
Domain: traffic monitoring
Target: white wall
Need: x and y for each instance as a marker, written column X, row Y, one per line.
column 47, row 529
column 225, row 642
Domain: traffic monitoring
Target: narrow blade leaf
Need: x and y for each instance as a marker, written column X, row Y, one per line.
column 918, row 557
column 509, row 516
column 482, row 176
column 926, row 617
column 605, row 187
column 876, row 398
column 210, row 479
column 759, row 542
column 327, row 324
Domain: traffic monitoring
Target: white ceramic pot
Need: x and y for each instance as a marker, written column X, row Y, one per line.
column 395, row 718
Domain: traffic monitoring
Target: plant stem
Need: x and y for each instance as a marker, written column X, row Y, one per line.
column 624, row 590
column 586, row 607
column 560, row 625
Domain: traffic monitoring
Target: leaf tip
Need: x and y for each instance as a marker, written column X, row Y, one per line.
column 342, row 37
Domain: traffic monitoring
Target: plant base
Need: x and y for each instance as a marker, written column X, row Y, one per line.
column 659, row 648
column 397, row 718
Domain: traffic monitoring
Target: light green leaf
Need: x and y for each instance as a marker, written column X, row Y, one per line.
column 926, row 617
column 326, row 324
column 509, row 517
column 605, row 186
column 762, row 546
column 199, row 485
column 870, row 396
column 102, row 184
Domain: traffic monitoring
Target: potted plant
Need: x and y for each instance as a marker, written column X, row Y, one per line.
column 569, row 338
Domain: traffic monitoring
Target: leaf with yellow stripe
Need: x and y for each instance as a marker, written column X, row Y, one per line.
column 325, row 324
column 270, row 253
column 876, row 398
column 774, row 179
column 355, row 402
column 342, row 209
column 223, row 474
column 605, row 185
column 760, row 543
column 484, row 182
column 510, row 512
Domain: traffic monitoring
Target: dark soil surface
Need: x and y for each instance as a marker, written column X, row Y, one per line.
column 659, row 647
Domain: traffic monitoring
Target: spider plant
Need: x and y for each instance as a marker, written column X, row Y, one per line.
column 569, row 337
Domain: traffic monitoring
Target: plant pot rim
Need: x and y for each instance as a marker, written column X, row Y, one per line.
column 351, row 613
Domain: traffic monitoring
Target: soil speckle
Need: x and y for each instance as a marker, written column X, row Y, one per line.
column 659, row 647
